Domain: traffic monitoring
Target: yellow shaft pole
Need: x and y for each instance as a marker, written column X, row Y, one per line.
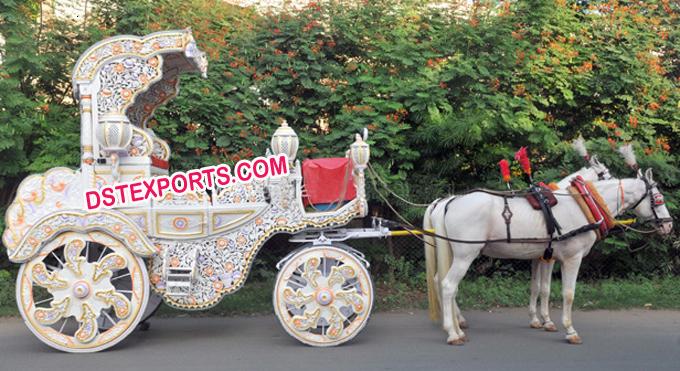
column 419, row 232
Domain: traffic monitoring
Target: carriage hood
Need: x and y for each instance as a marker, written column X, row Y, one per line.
column 133, row 75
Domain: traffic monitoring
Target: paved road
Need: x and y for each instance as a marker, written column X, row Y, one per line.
column 619, row 340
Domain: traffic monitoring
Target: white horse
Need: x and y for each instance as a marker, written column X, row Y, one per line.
column 541, row 271
column 483, row 211
column 439, row 260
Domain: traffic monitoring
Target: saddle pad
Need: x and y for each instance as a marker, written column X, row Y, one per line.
column 547, row 193
column 593, row 207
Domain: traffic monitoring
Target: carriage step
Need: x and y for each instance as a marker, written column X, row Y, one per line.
column 178, row 281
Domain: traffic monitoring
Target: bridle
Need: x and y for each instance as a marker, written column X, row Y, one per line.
column 655, row 200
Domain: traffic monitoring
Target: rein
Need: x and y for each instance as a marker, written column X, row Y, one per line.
column 416, row 231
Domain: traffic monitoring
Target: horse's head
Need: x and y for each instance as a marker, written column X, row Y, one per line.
column 651, row 205
column 600, row 170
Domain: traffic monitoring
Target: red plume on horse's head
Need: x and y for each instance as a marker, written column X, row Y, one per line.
column 505, row 170
column 522, row 157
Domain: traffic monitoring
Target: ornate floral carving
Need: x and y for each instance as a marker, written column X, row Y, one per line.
column 121, row 80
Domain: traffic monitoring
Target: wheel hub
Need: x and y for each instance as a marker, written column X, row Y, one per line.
column 324, row 296
column 81, row 290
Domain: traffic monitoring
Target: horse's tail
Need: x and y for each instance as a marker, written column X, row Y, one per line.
column 431, row 266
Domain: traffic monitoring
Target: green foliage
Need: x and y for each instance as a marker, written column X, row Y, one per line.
column 7, row 301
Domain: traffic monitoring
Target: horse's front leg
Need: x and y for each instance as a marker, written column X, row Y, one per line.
column 545, row 270
column 449, row 290
column 534, row 322
column 570, row 269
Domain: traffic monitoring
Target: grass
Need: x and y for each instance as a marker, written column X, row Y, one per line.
column 480, row 293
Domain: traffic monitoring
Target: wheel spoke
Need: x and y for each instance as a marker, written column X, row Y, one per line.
column 108, row 317
column 61, row 264
column 101, row 254
column 63, row 325
column 43, row 301
column 121, row 276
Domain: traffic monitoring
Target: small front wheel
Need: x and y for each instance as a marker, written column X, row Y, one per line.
column 85, row 292
column 323, row 296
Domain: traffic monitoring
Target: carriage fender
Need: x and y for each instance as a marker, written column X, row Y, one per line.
column 115, row 223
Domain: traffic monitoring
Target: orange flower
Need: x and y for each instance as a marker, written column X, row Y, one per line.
column 125, row 94
column 633, row 121
column 654, row 106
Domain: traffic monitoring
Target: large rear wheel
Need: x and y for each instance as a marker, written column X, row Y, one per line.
column 84, row 292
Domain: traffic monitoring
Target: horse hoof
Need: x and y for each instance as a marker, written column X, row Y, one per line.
column 550, row 327
column 458, row 342
column 463, row 324
column 535, row 324
column 464, row 338
column 574, row 339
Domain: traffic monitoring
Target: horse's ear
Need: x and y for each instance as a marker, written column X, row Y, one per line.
column 594, row 161
column 639, row 173
column 649, row 175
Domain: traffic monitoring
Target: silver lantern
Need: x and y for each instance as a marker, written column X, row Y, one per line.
column 360, row 153
column 114, row 133
column 285, row 141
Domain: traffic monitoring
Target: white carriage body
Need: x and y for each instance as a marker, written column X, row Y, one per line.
column 200, row 246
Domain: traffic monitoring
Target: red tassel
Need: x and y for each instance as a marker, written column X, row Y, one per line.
column 505, row 170
column 522, row 157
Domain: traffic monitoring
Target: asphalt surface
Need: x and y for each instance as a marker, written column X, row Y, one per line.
column 498, row 340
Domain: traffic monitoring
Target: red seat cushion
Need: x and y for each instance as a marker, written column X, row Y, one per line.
column 323, row 180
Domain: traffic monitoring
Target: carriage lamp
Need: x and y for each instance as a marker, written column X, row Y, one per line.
column 114, row 133
column 285, row 141
column 359, row 153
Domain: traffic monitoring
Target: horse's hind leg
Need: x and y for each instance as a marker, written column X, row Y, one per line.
column 534, row 322
column 545, row 270
column 449, row 290
column 570, row 269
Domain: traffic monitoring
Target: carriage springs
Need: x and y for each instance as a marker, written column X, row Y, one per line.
column 209, row 177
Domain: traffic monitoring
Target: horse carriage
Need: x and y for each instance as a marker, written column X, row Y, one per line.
column 88, row 278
